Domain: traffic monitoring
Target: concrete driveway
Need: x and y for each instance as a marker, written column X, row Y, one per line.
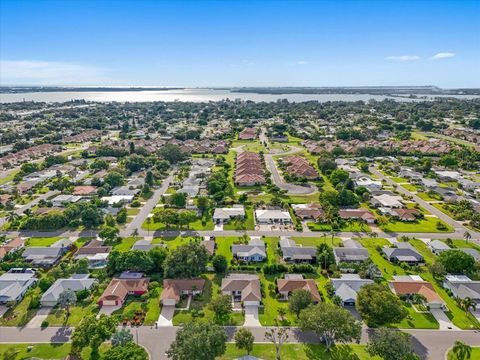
column 443, row 320
column 166, row 316
column 251, row 316
column 40, row 317
column 3, row 310
column 108, row 310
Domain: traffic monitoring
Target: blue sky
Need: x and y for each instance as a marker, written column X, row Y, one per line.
column 240, row 43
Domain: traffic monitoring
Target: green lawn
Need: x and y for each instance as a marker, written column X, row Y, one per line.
column 301, row 352
column 315, row 241
column 133, row 211
column 224, row 244
column 249, row 145
column 9, row 177
column 134, row 304
column 200, row 306
column 247, row 224
column 45, row 351
column 273, row 255
column 126, row 244
column 426, row 197
column 349, row 227
column 173, row 242
column 464, row 244
column 416, row 320
column 81, row 310
column 411, row 187
column 385, row 266
column 195, row 225
column 20, row 315
column 425, row 225
column 42, row 241
column 399, row 179
column 268, row 314
column 475, row 354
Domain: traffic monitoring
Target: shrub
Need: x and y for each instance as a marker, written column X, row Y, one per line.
column 135, row 204
column 44, row 324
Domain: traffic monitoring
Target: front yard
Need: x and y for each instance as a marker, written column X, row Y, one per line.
column 425, row 225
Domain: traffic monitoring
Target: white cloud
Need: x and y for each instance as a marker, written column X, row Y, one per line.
column 403, row 58
column 50, row 73
column 443, row 55
column 302, row 62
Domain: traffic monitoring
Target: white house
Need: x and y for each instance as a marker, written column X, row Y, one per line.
column 437, row 246
column 59, row 200
column 369, row 184
column 266, row 216
column 222, row 215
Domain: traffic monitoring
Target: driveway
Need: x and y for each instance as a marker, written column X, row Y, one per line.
column 443, row 320
column 218, row 227
column 3, row 310
column 166, row 316
column 40, row 317
column 108, row 310
column 146, row 209
column 251, row 316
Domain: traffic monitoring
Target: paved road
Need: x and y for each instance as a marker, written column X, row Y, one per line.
column 429, row 344
column 146, row 209
column 292, row 189
column 432, row 209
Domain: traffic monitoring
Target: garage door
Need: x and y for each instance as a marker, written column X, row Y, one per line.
column 109, row 302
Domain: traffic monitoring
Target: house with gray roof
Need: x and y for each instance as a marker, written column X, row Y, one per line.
column 145, row 245
column 222, row 215
column 44, row 256
column 347, row 287
column 351, row 252
column 472, row 252
column 76, row 282
column 291, row 252
column 15, row 283
column 437, row 246
column 255, row 251
column 402, row 252
column 463, row 287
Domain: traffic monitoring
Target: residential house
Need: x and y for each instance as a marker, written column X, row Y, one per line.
column 76, row 282
column 291, row 252
column 11, row 245
column 429, row 183
column 409, row 285
column 249, row 169
column 402, row 214
column 299, row 167
column 448, row 175
column 117, row 199
column 243, row 288
column 209, row 245
column 437, row 246
column 145, row 245
column 357, row 214
column 369, row 184
column 44, row 256
column 347, row 286
column 272, row 216
column 84, row 190
column 310, row 211
column 463, row 287
column 119, row 288
column 61, row 200
column 472, row 252
column 248, row 134
column 95, row 253
column 15, row 283
column 402, row 252
column 351, row 252
column 408, row 173
column 387, row 201
column 223, row 215
column 174, row 289
column 124, row 191
column 469, row 185
column 255, row 251
column 294, row 282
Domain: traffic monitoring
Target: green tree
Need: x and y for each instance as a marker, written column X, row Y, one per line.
column 179, row 199
column 299, row 299
column 92, row 332
column 221, row 307
column 149, row 179
column 331, row 323
column 390, row 344
column 456, row 261
column 325, row 255
column 129, row 351
column 461, row 351
column 244, row 340
column 186, row 217
column 122, row 337
column 66, row 299
column 158, row 255
column 277, row 336
column 220, row 263
column 109, row 233
column 379, row 306
column 198, row 341
column 91, row 217
column 186, row 261
column 122, row 216
column 114, row 178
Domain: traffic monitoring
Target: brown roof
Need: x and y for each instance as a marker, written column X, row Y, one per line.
column 118, row 289
column 10, row 246
column 288, row 285
column 356, row 213
column 249, row 285
column 416, row 287
column 209, row 246
column 172, row 288
column 407, row 214
column 84, row 190
column 93, row 247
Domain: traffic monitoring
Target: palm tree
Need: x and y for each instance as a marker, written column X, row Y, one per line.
column 12, row 216
column 461, row 350
column 277, row 335
column 468, row 304
column 149, row 220
column 467, row 236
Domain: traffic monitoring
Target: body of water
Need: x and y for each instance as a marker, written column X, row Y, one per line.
column 192, row 95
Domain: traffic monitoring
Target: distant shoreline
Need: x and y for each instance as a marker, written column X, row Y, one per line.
column 394, row 91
